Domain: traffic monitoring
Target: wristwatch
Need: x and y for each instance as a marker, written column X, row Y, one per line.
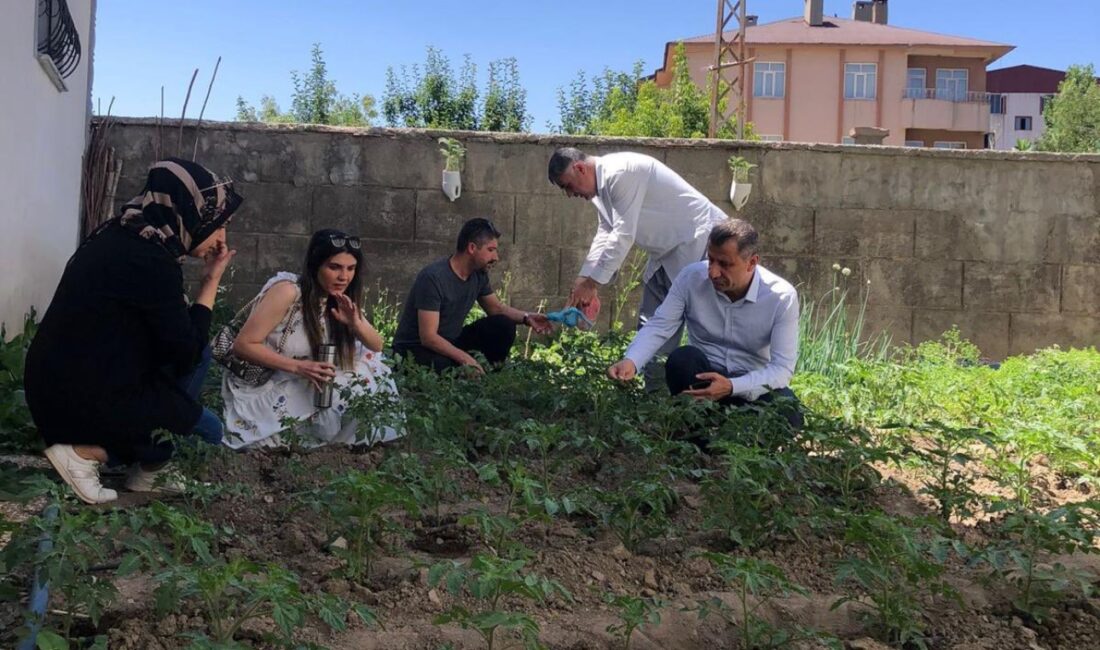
column 526, row 317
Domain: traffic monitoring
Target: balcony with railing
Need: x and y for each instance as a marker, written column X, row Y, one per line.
column 948, row 109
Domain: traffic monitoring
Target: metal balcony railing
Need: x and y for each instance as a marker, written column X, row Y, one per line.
column 57, row 36
column 948, row 95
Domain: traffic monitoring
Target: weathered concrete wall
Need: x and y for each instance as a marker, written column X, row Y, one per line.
column 1004, row 245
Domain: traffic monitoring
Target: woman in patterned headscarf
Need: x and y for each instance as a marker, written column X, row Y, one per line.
column 119, row 354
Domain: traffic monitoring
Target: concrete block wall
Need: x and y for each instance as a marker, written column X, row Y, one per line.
column 1006, row 246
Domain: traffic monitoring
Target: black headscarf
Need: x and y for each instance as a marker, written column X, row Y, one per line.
column 183, row 203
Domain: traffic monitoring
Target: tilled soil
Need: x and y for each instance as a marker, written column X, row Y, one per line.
column 267, row 526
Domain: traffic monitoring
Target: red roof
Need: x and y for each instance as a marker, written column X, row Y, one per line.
column 1024, row 79
column 841, row 31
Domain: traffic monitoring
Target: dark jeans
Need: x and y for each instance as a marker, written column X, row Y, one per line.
column 492, row 336
column 687, row 361
column 208, row 428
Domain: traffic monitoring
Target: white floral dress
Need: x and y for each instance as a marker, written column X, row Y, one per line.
column 257, row 415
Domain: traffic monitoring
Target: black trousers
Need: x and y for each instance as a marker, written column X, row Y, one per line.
column 492, row 336
column 687, row 361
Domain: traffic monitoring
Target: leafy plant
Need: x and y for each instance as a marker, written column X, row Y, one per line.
column 755, row 583
column 232, row 592
column 17, row 431
column 1028, row 536
column 945, row 452
column 634, row 612
column 638, row 511
column 740, row 168
column 453, row 152
column 358, row 505
column 895, row 569
column 491, row 579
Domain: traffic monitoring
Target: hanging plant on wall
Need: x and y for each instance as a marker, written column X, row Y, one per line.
column 455, row 155
column 740, row 187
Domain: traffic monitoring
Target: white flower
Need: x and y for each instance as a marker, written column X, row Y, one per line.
column 836, row 267
column 868, row 283
column 845, row 271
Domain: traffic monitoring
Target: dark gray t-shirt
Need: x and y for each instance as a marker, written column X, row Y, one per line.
column 437, row 288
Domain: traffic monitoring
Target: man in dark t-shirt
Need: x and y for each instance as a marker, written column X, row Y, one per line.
column 441, row 297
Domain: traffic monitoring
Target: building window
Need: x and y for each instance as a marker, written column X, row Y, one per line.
column 1023, row 122
column 951, row 84
column 847, row 140
column 1044, row 101
column 772, row 138
column 997, row 104
column 768, row 79
column 916, row 80
column 859, row 80
column 914, row 143
column 949, row 144
column 57, row 42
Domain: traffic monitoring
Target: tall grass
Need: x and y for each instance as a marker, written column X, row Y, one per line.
column 831, row 329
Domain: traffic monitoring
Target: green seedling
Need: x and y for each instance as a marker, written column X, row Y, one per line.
column 634, row 613
column 490, row 580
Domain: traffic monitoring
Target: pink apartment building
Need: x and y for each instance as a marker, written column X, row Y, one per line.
column 814, row 78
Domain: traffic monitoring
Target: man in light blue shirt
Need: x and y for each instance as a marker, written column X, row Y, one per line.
column 742, row 325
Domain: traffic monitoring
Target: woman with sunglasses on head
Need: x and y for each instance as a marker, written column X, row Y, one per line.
column 292, row 317
column 119, row 354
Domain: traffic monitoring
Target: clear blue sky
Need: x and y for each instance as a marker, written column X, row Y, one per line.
column 141, row 45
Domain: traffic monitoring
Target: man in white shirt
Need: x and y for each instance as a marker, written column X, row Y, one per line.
column 742, row 324
column 639, row 201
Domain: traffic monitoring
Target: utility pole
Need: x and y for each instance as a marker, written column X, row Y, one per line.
column 729, row 56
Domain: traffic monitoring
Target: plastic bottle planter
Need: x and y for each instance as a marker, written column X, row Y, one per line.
column 739, row 194
column 452, row 184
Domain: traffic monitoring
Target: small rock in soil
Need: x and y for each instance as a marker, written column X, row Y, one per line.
column 339, row 543
column 650, row 580
column 433, row 596
column 649, row 593
column 598, row 577
column 620, row 553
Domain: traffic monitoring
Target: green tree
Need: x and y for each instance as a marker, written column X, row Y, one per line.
column 1073, row 115
column 315, row 100
column 625, row 104
column 432, row 96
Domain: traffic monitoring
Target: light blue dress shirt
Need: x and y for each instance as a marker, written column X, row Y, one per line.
column 753, row 341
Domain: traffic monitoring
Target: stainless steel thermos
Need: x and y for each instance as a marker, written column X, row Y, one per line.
column 326, row 353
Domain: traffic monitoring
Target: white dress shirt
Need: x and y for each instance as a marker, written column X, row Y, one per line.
column 753, row 341
column 641, row 201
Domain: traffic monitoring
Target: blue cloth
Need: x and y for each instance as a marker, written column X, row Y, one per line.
column 569, row 317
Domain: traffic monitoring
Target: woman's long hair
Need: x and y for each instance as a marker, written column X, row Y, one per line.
column 320, row 251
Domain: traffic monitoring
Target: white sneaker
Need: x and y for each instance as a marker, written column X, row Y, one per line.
column 81, row 474
column 165, row 480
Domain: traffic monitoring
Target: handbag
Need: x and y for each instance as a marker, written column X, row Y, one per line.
column 221, row 347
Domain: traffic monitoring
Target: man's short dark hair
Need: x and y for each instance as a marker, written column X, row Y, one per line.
column 739, row 230
column 561, row 160
column 478, row 231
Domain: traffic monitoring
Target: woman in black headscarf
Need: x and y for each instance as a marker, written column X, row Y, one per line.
column 116, row 356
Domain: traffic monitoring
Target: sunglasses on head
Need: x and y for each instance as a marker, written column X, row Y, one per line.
column 340, row 241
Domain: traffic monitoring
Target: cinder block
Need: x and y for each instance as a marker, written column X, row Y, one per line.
column 894, row 322
column 864, row 233
column 1011, row 287
column 1031, row 332
column 1076, row 239
column 507, row 167
column 707, row 170
column 540, row 218
column 867, row 181
column 439, row 219
column 803, row 178
column 276, row 253
column 392, row 266
column 368, row 211
column 273, row 208
column 530, row 269
column 987, row 330
column 412, row 161
column 910, row 283
column 783, row 229
column 815, row 278
column 1081, row 289
column 579, row 225
column 988, row 236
